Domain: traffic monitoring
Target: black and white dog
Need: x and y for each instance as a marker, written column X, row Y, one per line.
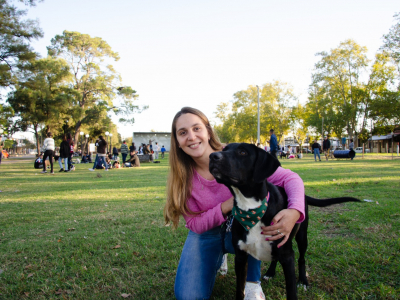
column 243, row 168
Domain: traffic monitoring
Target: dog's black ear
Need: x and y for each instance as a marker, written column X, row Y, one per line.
column 266, row 165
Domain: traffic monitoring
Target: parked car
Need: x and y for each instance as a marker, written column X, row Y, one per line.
column 306, row 150
column 360, row 150
column 5, row 153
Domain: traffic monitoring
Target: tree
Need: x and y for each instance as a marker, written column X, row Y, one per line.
column 391, row 42
column 239, row 118
column 41, row 97
column 15, row 35
column 337, row 81
column 98, row 89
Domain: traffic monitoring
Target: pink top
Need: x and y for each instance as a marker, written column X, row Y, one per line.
column 209, row 198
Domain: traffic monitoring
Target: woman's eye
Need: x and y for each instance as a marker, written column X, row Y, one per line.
column 181, row 132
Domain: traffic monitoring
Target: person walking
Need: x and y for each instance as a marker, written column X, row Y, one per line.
column 124, row 151
column 156, row 149
column 101, row 153
column 64, row 154
column 193, row 192
column 273, row 143
column 162, row 151
column 316, row 147
column 115, row 153
column 48, row 147
column 326, row 147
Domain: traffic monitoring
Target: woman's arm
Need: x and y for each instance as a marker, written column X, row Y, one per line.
column 285, row 220
column 208, row 219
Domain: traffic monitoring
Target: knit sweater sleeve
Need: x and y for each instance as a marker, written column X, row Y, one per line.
column 206, row 199
column 204, row 221
column 294, row 188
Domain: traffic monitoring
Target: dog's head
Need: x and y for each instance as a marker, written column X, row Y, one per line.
column 242, row 165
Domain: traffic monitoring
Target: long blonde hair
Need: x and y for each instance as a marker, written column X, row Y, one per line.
column 179, row 186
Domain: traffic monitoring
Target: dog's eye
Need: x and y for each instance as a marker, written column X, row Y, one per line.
column 242, row 152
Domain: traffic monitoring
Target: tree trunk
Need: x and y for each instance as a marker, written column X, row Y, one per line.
column 76, row 135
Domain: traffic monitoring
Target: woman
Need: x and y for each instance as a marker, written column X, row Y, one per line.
column 315, row 147
column 64, row 153
column 48, row 146
column 205, row 204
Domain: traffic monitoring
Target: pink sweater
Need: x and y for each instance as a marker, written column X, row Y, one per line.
column 209, row 199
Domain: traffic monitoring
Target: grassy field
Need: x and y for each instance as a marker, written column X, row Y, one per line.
column 101, row 235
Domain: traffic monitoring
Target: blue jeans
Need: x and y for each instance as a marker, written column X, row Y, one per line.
column 100, row 158
column 200, row 260
column 316, row 152
column 124, row 155
column 65, row 162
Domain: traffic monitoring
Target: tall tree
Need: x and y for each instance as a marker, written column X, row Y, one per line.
column 15, row 35
column 98, row 89
column 337, row 79
column 41, row 97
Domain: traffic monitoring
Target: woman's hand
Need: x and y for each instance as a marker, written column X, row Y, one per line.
column 227, row 206
column 281, row 226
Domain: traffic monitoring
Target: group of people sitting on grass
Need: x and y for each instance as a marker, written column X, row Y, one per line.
column 104, row 159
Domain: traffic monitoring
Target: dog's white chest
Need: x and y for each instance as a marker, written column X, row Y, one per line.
column 256, row 245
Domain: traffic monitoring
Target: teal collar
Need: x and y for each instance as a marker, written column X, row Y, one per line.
column 248, row 219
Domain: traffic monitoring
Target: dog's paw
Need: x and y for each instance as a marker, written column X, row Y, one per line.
column 267, row 278
column 302, row 286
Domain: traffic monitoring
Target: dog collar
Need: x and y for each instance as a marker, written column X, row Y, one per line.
column 249, row 218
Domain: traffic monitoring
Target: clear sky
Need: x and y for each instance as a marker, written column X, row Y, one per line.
column 177, row 53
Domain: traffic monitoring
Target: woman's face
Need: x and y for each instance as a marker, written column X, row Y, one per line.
column 192, row 136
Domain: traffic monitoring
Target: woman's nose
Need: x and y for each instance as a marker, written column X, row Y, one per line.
column 191, row 135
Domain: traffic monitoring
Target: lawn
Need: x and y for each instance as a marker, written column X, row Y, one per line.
column 101, row 235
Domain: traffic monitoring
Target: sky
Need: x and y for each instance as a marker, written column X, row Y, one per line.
column 177, row 53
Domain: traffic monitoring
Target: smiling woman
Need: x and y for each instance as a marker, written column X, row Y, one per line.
column 205, row 204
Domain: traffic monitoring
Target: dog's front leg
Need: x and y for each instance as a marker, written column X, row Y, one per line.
column 287, row 262
column 241, row 272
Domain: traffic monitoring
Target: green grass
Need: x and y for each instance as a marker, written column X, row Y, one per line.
column 98, row 235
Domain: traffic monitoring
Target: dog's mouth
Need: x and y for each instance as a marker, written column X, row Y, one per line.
column 219, row 176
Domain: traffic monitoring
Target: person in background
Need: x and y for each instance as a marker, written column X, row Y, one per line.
column 108, row 162
column 115, row 153
column 162, row 151
column 71, row 154
column 116, row 164
column 39, row 161
column 70, row 142
column 124, row 151
column 109, row 155
column 351, row 146
column 273, row 143
column 316, row 148
column 133, row 161
column 48, row 146
column 132, row 148
column 64, row 154
column 101, row 153
column 326, row 147
column 156, row 149
column 86, row 158
column 193, row 192
column 140, row 151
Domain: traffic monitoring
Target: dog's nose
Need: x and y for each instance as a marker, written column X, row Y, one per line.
column 216, row 156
